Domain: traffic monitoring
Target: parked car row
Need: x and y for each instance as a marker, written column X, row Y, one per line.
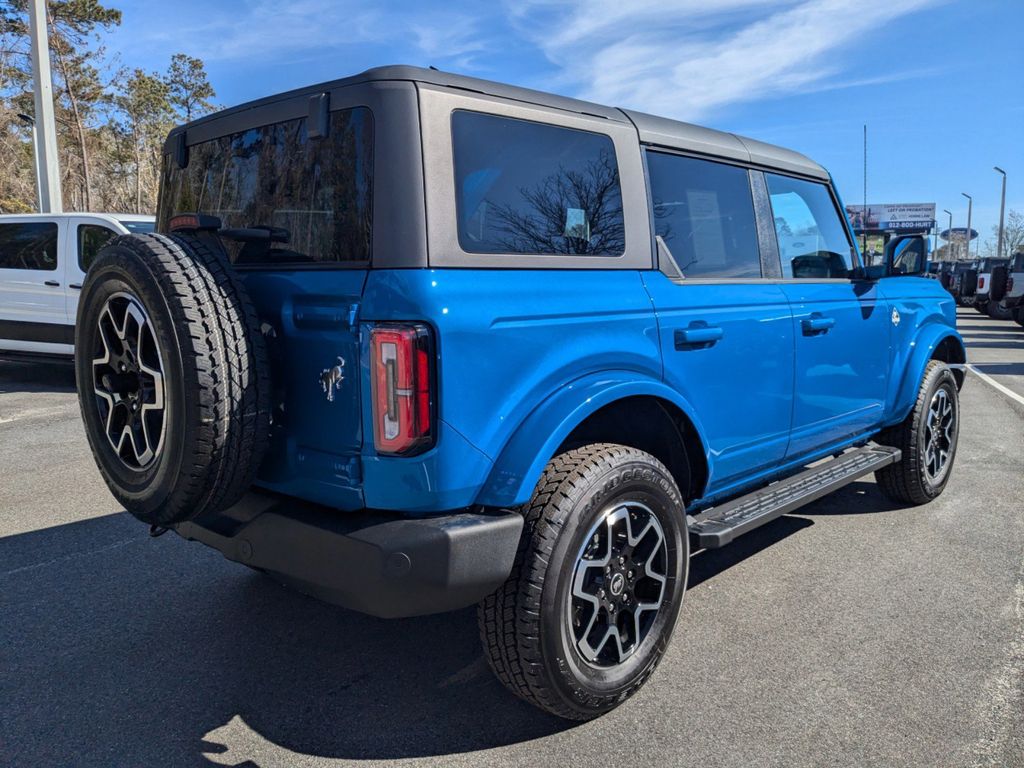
column 994, row 287
column 43, row 260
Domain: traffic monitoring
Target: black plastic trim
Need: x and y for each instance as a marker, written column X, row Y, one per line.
column 378, row 563
column 45, row 333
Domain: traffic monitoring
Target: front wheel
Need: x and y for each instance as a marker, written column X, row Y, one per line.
column 597, row 583
column 927, row 439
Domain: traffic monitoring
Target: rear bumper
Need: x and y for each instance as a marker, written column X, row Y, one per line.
column 377, row 563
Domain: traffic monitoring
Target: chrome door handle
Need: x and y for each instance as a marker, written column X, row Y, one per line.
column 817, row 324
column 698, row 335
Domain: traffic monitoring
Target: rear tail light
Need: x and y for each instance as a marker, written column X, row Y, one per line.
column 401, row 370
column 1009, row 285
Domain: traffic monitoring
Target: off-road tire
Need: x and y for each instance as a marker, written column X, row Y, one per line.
column 523, row 625
column 1018, row 315
column 907, row 481
column 968, row 284
column 998, row 312
column 997, row 284
column 216, row 376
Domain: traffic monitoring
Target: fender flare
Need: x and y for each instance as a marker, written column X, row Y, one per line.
column 921, row 351
column 522, row 459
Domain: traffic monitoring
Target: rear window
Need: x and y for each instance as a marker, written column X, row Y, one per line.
column 529, row 188
column 316, row 193
column 28, row 245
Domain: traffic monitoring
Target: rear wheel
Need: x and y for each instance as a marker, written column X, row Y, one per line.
column 998, row 312
column 1018, row 315
column 927, row 439
column 588, row 610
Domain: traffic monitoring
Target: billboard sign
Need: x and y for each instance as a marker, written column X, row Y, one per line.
column 892, row 217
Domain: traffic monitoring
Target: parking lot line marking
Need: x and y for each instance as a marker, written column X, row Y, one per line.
column 989, row 380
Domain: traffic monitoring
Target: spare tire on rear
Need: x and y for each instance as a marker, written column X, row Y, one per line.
column 173, row 381
column 997, row 284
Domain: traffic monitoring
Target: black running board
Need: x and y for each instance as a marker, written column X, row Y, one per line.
column 718, row 526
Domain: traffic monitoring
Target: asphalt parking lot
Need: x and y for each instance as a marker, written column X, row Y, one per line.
column 851, row 634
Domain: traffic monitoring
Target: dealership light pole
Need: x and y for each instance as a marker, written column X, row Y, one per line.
column 949, row 233
column 31, row 123
column 967, row 234
column 47, row 163
column 1002, row 212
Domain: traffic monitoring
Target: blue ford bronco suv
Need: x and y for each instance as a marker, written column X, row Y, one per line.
column 410, row 341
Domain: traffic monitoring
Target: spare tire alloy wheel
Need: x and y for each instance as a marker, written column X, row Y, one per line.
column 128, row 381
column 172, row 374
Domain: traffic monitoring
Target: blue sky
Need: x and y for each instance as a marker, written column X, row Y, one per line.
column 939, row 84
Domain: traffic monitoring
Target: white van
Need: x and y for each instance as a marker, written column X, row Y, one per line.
column 43, row 259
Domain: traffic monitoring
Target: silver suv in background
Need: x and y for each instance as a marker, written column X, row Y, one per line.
column 43, row 260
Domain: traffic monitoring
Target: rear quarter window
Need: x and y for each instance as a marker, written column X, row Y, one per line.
column 523, row 187
column 28, row 245
column 317, row 192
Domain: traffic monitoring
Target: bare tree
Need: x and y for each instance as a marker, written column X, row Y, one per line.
column 543, row 224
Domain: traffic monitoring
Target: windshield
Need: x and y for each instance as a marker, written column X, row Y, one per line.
column 137, row 227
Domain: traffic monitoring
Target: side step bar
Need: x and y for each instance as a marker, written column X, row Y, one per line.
column 718, row 526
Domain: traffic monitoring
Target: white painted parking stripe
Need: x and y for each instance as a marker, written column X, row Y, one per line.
column 992, row 382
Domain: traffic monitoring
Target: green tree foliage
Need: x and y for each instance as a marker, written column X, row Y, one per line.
column 188, row 89
column 110, row 128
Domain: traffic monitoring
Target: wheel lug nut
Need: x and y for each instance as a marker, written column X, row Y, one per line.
column 621, row 560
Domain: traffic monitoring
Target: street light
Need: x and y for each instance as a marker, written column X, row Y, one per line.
column 949, row 232
column 1002, row 211
column 967, row 235
column 31, row 123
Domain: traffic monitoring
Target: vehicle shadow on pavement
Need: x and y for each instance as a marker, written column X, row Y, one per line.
column 36, row 377
column 121, row 650
column 857, row 498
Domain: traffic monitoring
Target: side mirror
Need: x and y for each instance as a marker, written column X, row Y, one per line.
column 906, row 255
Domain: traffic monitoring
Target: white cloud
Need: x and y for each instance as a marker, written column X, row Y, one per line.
column 687, row 59
column 270, row 29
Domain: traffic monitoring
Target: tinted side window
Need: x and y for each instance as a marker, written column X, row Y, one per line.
column 813, row 242
column 316, row 193
column 91, row 237
column 705, row 214
column 30, row 245
column 524, row 187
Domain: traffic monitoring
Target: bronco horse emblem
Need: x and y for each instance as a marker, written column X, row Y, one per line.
column 331, row 378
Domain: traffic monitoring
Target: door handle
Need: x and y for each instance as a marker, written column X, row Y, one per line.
column 697, row 335
column 76, row 286
column 52, row 283
column 817, row 324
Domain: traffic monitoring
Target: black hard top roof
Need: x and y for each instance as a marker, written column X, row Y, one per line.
column 652, row 129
